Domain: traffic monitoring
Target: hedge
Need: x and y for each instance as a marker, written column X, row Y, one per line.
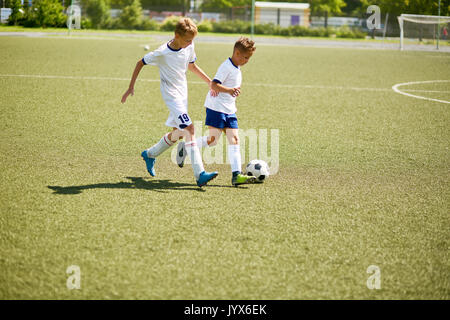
column 236, row 26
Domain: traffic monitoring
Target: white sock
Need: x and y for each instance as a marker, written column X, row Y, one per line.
column 161, row 146
column 234, row 154
column 202, row 142
column 196, row 158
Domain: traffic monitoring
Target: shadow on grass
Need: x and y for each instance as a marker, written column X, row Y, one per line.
column 136, row 183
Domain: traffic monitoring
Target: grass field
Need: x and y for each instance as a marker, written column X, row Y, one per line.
column 363, row 177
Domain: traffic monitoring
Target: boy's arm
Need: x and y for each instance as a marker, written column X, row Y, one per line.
column 130, row 89
column 216, row 86
column 198, row 71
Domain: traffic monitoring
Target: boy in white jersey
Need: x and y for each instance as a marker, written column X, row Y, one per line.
column 174, row 59
column 221, row 109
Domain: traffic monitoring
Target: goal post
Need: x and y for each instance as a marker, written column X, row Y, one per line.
column 422, row 27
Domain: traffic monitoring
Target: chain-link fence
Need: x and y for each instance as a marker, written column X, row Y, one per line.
column 293, row 19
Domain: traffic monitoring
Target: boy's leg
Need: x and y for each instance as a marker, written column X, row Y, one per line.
column 193, row 151
column 216, row 121
column 163, row 144
column 179, row 118
column 234, row 151
column 234, row 154
column 149, row 155
column 202, row 142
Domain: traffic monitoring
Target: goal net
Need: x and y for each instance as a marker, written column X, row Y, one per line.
column 420, row 29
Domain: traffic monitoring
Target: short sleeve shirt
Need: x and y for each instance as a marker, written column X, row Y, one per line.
column 173, row 65
column 230, row 76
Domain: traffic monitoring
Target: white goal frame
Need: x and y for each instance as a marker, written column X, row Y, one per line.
column 425, row 19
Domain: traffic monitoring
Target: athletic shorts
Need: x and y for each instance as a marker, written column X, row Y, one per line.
column 178, row 116
column 221, row 120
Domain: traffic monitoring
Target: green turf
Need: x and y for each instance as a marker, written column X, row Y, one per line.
column 363, row 178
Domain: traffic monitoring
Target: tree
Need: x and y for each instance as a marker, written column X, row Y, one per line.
column 131, row 16
column 213, row 5
column 396, row 8
column 15, row 15
column 49, row 13
column 353, row 7
column 98, row 12
column 326, row 6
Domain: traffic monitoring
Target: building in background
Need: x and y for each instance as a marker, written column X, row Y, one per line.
column 4, row 14
column 284, row 14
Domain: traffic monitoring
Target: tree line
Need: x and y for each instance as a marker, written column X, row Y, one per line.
column 49, row 13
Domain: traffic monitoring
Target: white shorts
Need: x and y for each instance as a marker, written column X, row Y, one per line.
column 178, row 116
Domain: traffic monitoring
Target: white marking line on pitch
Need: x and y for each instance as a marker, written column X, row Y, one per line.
column 192, row 82
column 432, row 91
column 70, row 77
column 395, row 87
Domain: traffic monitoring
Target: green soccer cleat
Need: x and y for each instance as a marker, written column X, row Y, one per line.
column 242, row 179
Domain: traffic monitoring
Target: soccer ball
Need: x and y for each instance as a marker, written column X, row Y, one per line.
column 258, row 169
column 146, row 48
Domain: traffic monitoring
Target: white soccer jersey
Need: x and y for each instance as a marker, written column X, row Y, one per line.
column 173, row 65
column 230, row 76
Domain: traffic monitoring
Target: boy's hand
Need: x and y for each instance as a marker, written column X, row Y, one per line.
column 234, row 92
column 212, row 92
column 126, row 94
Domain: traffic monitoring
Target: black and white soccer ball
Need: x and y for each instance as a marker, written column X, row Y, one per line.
column 258, row 169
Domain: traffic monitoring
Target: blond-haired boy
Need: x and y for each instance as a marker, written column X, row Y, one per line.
column 174, row 58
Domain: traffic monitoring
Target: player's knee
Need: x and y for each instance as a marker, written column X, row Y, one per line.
column 234, row 140
column 212, row 141
column 190, row 128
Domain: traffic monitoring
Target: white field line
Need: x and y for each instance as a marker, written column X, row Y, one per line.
column 38, row 76
column 396, row 87
column 437, row 56
column 431, row 91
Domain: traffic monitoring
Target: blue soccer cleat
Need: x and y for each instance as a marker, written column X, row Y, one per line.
column 205, row 177
column 150, row 162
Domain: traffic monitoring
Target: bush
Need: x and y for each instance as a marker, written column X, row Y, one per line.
column 86, row 23
column 299, row 31
column 287, row 32
column 319, row 32
column 98, row 13
column 49, row 13
column 266, row 28
column 359, row 34
column 131, row 16
column 236, row 26
column 29, row 19
column 15, row 15
column 205, row 26
column 169, row 23
column 346, row 32
column 149, row 24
